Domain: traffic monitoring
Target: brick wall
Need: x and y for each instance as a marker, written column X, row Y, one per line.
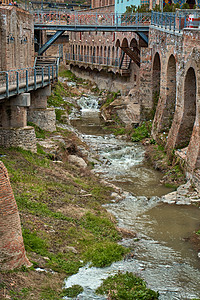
column 12, row 252
column 16, row 38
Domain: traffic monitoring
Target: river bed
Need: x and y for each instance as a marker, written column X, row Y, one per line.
column 162, row 255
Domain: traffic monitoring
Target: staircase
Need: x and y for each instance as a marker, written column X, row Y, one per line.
column 125, row 63
column 133, row 54
column 46, row 62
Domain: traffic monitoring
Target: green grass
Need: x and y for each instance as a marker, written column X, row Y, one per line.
column 73, row 291
column 142, row 132
column 126, row 286
column 104, row 254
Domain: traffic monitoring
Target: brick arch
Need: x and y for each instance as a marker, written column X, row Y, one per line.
column 133, row 43
column 124, row 43
column 190, row 109
column 117, row 44
column 156, row 74
column 169, row 109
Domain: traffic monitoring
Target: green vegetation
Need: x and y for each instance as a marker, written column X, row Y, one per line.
column 141, row 132
column 104, row 253
column 57, row 100
column 61, row 229
column 126, row 286
column 111, row 96
column 73, row 291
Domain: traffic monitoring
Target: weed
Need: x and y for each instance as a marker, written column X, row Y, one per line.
column 72, row 291
column 142, row 132
column 104, row 253
column 126, row 286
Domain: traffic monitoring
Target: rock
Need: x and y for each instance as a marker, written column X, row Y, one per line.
column 78, row 161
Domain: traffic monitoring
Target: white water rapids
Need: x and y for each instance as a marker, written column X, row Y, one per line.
column 162, row 256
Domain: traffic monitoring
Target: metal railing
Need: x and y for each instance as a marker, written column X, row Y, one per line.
column 93, row 59
column 176, row 21
column 170, row 21
column 94, row 19
column 14, row 82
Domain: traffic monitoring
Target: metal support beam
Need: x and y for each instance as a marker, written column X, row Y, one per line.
column 50, row 41
column 143, row 36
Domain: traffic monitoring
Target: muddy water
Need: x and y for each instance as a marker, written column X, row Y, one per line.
column 162, row 254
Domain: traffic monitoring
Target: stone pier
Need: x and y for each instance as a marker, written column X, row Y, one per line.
column 38, row 113
column 14, row 131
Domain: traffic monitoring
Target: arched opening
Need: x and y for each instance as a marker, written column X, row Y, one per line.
column 94, row 55
column 108, row 60
column 101, row 55
column 84, row 53
column 98, row 61
column 91, row 53
column 124, row 43
column 79, row 52
column 117, row 43
column 156, row 81
column 105, row 55
column 88, row 54
column 189, row 115
column 73, row 53
column 168, row 113
column 113, row 55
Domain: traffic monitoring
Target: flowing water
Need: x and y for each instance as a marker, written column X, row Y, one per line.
column 162, row 255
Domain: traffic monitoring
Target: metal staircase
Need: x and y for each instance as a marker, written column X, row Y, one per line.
column 133, row 54
column 125, row 63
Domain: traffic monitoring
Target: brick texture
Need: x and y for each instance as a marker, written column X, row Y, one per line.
column 12, row 252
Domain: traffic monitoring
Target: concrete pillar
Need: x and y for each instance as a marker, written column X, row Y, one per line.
column 12, row 252
column 38, row 113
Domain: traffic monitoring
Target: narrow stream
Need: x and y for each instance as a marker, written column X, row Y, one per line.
column 162, row 255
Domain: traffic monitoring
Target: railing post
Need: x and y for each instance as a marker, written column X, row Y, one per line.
column 170, row 23
column 35, row 79
column 179, row 23
column 7, row 85
column 52, row 74
column 42, row 76
column 26, row 80
column 174, row 22
column 75, row 16
column 49, row 75
column 56, row 72
column 17, row 81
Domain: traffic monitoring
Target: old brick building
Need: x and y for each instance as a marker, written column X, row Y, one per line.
column 16, row 38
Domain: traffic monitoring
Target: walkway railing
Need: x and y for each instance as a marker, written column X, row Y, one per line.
column 14, row 82
column 176, row 21
column 170, row 21
column 92, row 59
column 94, row 19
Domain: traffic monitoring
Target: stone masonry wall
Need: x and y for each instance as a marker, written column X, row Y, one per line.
column 177, row 114
column 18, row 137
column 12, row 252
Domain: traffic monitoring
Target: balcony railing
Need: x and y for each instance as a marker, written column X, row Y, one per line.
column 93, row 59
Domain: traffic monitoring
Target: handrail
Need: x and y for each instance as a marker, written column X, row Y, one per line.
column 166, row 20
column 13, row 82
column 93, row 59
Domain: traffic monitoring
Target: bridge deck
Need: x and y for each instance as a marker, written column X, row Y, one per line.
column 15, row 82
